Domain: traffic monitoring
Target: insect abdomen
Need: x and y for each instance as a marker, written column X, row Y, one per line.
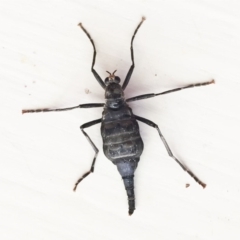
column 121, row 139
column 120, row 133
column 123, row 145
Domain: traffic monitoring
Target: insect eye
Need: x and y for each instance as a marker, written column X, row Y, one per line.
column 106, row 81
column 117, row 79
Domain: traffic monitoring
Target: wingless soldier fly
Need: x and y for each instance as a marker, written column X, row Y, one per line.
column 122, row 143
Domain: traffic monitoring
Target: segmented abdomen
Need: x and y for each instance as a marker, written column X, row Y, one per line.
column 121, row 139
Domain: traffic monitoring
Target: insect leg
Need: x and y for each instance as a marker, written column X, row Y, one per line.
column 88, row 105
column 86, row 125
column 100, row 81
column 152, row 124
column 150, row 95
column 130, row 71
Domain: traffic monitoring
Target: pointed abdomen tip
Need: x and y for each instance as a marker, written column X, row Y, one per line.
column 130, row 212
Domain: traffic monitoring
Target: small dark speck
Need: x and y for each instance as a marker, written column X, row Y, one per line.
column 29, row 94
column 187, row 185
column 155, row 75
column 33, row 82
column 87, row 91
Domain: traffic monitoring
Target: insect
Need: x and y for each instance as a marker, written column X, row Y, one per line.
column 122, row 142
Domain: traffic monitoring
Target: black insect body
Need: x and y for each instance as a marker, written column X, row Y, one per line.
column 122, row 143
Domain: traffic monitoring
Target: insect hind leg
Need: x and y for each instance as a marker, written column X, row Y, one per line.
column 86, row 125
column 152, row 124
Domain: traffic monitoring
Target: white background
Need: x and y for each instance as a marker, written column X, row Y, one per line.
column 45, row 61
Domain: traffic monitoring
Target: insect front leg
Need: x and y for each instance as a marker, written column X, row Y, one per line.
column 100, row 81
column 86, row 125
column 152, row 124
column 88, row 105
column 130, row 71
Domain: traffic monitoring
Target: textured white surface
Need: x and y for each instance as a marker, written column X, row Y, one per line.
column 45, row 61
